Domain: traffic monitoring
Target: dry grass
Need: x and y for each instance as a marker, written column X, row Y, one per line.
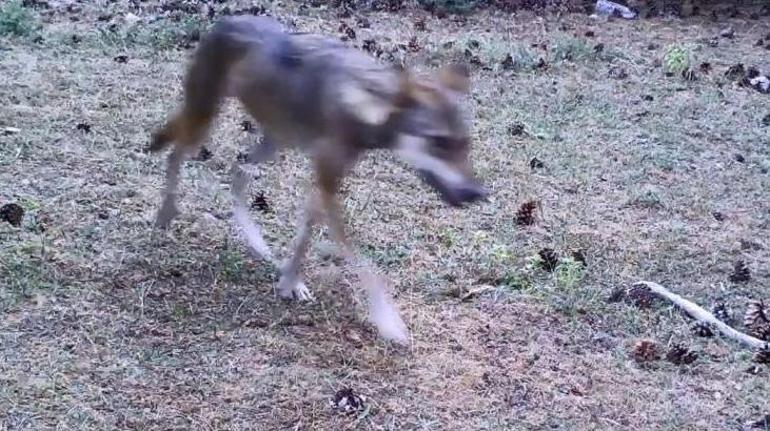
column 108, row 324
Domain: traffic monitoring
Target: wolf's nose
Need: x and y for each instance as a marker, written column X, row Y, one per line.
column 471, row 193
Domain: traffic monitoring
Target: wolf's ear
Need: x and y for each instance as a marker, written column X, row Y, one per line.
column 455, row 77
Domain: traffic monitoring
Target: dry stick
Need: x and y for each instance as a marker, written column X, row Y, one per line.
column 702, row 315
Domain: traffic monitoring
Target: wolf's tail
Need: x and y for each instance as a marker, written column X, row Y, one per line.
column 206, row 81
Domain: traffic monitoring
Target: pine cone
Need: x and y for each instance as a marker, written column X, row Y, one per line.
column 536, row 163
column 721, row 312
column 203, row 155
column 413, row 45
column 347, row 401
column 641, row 295
column 741, row 273
column 525, row 215
column 702, row 329
column 679, row 354
column 579, row 256
column 763, row 355
column 646, row 351
column 735, row 72
column 12, row 213
column 347, row 31
column 757, row 320
column 762, row 332
column 260, row 203
column 755, row 313
column 549, row 259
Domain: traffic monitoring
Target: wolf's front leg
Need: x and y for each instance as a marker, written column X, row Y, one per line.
column 382, row 311
column 290, row 285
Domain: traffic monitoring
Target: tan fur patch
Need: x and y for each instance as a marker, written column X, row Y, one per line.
column 365, row 105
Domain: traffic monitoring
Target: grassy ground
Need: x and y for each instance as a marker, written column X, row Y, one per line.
column 109, row 324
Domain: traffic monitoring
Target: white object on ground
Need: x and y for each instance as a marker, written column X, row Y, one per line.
column 606, row 7
column 698, row 313
column 761, row 83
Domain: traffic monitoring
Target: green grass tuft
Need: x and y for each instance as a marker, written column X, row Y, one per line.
column 17, row 20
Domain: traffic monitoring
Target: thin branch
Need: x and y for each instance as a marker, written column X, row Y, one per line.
column 702, row 315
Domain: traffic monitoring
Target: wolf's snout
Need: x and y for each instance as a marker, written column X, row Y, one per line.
column 471, row 192
column 455, row 195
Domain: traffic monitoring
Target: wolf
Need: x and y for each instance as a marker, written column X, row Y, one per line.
column 311, row 93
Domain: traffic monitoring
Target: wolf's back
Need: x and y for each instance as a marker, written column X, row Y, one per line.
column 228, row 41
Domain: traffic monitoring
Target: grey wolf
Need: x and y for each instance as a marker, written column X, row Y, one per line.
column 314, row 94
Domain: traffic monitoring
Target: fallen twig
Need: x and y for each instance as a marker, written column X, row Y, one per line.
column 700, row 314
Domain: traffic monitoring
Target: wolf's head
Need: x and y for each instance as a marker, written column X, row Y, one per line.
column 432, row 135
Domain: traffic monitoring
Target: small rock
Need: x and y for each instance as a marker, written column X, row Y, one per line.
column 121, row 58
column 10, row 131
column 760, row 83
column 131, row 19
column 84, row 127
column 727, row 33
column 739, row 158
column 766, row 120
